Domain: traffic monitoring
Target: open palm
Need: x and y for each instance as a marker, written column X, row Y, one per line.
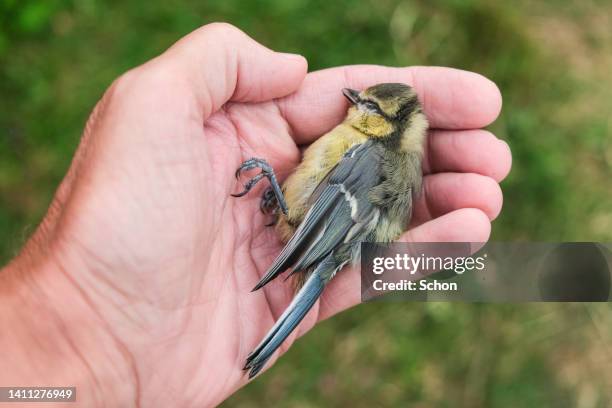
column 146, row 229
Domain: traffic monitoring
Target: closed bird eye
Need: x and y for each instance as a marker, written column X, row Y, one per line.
column 372, row 106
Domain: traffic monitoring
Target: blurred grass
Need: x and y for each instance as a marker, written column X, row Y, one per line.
column 552, row 62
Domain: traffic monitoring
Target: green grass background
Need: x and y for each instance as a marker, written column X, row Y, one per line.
column 553, row 63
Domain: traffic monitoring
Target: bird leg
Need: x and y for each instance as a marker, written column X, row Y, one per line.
column 273, row 196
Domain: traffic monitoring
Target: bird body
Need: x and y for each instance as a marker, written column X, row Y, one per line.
column 355, row 184
column 320, row 157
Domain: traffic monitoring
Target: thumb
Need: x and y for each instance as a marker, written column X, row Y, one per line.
column 221, row 64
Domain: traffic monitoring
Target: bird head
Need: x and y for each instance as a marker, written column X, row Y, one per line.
column 383, row 110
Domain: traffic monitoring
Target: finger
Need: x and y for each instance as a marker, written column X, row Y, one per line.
column 446, row 192
column 452, row 98
column 468, row 151
column 464, row 225
column 218, row 63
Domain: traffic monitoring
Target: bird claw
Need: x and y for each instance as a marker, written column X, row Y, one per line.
column 272, row 198
column 250, row 184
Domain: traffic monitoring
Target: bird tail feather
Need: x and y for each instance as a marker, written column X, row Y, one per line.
column 292, row 316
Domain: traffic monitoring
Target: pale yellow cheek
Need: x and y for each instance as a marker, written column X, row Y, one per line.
column 377, row 126
column 370, row 124
column 353, row 116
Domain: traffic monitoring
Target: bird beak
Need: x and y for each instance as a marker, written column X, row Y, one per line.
column 351, row 94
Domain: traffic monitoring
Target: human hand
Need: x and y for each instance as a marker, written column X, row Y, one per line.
column 155, row 256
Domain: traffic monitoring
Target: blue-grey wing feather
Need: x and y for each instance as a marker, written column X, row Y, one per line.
column 340, row 210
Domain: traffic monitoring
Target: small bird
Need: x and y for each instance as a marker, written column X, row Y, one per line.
column 355, row 184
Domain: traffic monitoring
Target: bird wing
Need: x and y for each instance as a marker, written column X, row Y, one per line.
column 341, row 212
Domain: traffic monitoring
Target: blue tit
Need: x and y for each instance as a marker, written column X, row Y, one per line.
column 355, row 184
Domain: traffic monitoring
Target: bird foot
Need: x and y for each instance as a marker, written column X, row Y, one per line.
column 269, row 205
column 273, row 197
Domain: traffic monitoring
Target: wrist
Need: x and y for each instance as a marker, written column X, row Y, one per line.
column 53, row 336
